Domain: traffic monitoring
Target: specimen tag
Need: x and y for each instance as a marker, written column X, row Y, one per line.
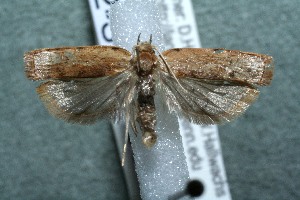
column 178, row 24
column 100, row 14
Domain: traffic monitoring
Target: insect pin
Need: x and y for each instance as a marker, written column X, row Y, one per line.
column 90, row 83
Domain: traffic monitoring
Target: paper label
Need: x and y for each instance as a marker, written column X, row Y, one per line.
column 201, row 143
column 178, row 24
column 100, row 14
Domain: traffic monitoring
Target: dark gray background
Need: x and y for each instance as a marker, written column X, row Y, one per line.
column 45, row 158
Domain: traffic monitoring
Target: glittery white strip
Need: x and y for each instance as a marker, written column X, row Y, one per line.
column 200, row 142
column 161, row 170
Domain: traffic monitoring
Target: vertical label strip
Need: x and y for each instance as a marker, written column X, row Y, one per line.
column 100, row 14
column 201, row 143
column 178, row 24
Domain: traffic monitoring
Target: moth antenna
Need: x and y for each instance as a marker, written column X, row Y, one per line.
column 138, row 59
column 150, row 41
column 168, row 67
column 138, row 40
column 135, row 53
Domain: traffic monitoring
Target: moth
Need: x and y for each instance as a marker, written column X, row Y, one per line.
column 90, row 83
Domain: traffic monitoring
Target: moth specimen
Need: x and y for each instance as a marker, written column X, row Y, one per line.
column 206, row 86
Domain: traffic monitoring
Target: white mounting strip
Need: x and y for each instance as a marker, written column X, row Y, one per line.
column 162, row 169
column 201, row 143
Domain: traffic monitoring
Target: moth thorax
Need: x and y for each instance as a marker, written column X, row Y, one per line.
column 149, row 139
column 147, row 63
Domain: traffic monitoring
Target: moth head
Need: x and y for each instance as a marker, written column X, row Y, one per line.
column 149, row 139
column 144, row 47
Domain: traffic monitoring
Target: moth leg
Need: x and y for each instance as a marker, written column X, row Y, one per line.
column 126, row 136
column 133, row 127
column 133, row 121
column 135, row 117
column 128, row 110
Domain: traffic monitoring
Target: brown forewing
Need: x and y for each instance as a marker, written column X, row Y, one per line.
column 220, row 64
column 75, row 62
